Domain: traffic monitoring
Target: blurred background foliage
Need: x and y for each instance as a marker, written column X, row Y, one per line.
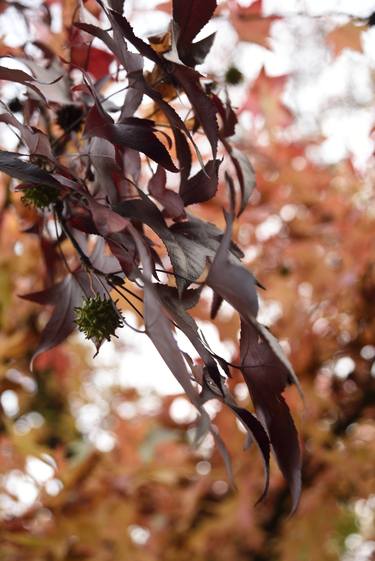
column 93, row 468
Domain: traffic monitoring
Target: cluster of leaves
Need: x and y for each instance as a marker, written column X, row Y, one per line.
column 115, row 188
column 154, row 496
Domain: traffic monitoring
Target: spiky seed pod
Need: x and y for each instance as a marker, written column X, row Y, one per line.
column 40, row 196
column 233, row 76
column 69, row 118
column 98, row 318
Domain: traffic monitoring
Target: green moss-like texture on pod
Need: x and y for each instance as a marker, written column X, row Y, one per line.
column 40, row 196
column 98, row 318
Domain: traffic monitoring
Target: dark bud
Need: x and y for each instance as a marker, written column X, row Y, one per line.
column 69, row 118
column 371, row 19
column 233, row 76
column 15, row 105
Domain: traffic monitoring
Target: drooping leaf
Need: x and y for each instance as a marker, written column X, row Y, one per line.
column 232, row 281
column 266, row 377
column 254, row 427
column 200, row 241
column 245, row 175
column 13, row 165
column 159, row 328
column 203, row 106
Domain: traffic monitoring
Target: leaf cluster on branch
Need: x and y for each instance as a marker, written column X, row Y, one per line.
column 113, row 196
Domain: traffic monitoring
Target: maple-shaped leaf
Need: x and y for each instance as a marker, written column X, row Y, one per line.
column 348, row 36
column 250, row 24
column 265, row 98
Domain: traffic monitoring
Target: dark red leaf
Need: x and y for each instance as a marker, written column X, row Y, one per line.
column 202, row 186
column 133, row 132
column 196, row 53
column 191, row 16
column 255, row 429
column 204, row 108
column 266, row 376
column 147, row 212
column 171, row 201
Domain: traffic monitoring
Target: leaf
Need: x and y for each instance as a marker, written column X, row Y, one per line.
column 265, row 98
column 52, row 81
column 105, row 219
column 126, row 29
column 64, row 297
column 147, row 212
column 191, row 16
column 36, row 141
column 11, row 164
column 348, row 36
column 20, row 77
column 199, row 240
column 196, row 53
column 177, row 306
column 171, row 201
column 68, row 294
column 232, row 281
column 132, row 62
column 159, row 328
column 202, row 186
column 228, row 116
column 250, row 24
column 134, row 133
column 245, row 175
column 266, row 377
column 203, row 106
column 251, row 423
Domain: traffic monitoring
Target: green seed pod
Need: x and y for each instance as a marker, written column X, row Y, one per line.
column 233, row 76
column 98, row 318
column 40, row 196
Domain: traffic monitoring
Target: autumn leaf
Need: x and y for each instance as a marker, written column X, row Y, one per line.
column 348, row 36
